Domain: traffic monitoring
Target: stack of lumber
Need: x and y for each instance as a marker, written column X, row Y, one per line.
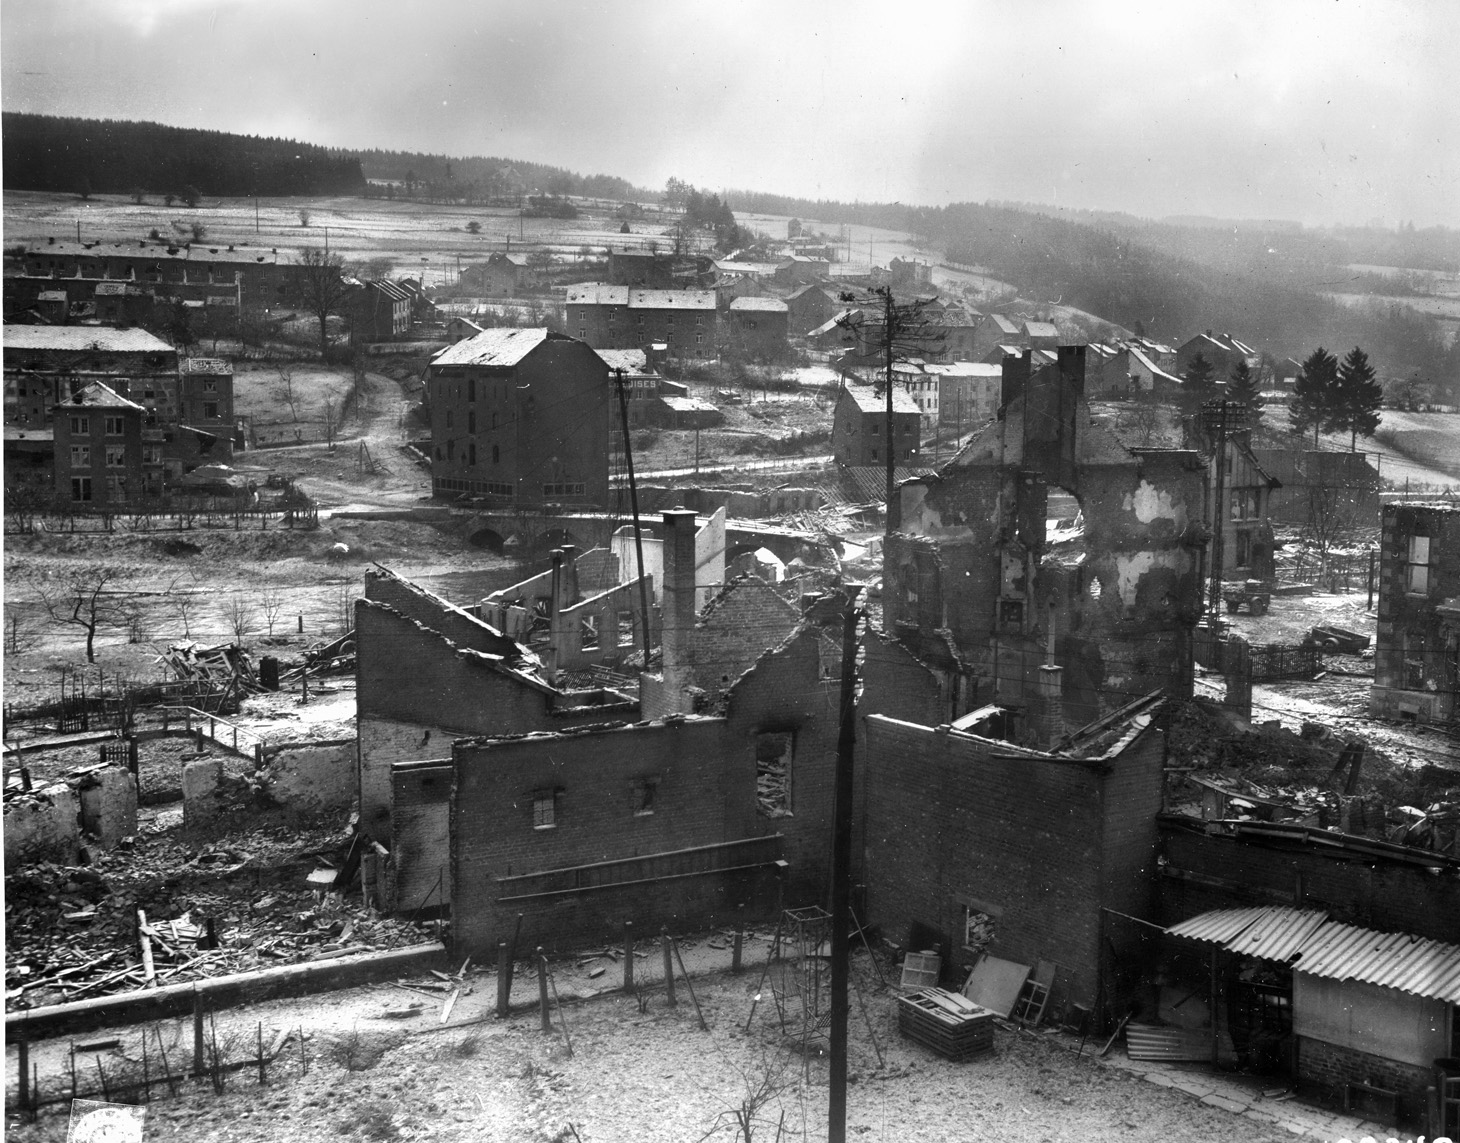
column 946, row 1022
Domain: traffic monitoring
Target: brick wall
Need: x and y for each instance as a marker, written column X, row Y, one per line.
column 948, row 823
column 735, row 630
column 407, row 673
column 1232, row 872
column 1132, row 799
column 704, row 793
column 415, row 602
column 1326, row 1070
column 784, row 691
column 420, row 835
column 897, row 684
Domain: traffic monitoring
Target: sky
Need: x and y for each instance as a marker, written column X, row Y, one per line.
column 1321, row 111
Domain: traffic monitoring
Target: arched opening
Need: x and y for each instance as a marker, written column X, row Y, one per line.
column 487, row 540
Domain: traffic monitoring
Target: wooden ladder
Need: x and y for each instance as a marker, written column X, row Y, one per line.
column 1034, row 996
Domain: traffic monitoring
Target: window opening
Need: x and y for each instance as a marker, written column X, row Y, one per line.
column 774, row 754
column 544, row 809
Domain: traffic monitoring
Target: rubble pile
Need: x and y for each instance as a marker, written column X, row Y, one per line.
column 1271, row 773
column 244, row 903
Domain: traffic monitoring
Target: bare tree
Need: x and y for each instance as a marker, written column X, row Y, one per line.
column 1333, row 519
column 329, row 401
column 751, row 1118
column 323, row 287
column 284, row 390
column 240, row 615
column 271, row 603
column 85, row 598
column 304, row 216
column 185, row 603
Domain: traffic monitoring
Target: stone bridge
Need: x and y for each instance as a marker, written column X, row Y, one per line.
column 534, row 534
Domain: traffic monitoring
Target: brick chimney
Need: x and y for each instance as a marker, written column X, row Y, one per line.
column 679, row 604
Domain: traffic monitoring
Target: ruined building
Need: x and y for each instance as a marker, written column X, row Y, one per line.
column 1055, row 625
column 1417, row 652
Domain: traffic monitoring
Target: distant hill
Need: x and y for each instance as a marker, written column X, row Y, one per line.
column 479, row 177
column 112, row 156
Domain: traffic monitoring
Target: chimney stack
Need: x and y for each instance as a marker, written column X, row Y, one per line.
column 678, row 603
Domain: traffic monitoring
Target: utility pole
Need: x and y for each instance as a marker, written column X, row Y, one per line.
column 887, row 377
column 841, row 874
column 623, row 408
column 255, row 214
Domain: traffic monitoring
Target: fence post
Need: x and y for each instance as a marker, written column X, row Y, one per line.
column 737, row 948
column 628, row 956
column 197, row 1031
column 504, row 978
column 23, row 1048
column 668, row 964
column 542, row 990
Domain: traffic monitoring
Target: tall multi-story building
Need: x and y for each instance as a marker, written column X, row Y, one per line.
column 520, row 417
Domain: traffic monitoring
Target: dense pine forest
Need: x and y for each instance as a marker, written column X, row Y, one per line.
column 111, row 156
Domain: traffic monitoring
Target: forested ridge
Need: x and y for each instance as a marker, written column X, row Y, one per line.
column 114, row 156
column 1261, row 282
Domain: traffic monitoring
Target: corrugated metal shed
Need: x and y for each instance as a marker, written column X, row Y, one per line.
column 1401, row 961
column 1273, row 932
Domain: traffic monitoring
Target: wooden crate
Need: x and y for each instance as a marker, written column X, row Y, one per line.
column 945, row 1022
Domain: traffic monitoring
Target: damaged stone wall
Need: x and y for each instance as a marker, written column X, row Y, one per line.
column 1417, row 650
column 548, row 802
column 972, row 558
column 540, row 803
column 415, row 602
column 44, row 825
column 307, row 779
column 416, row 690
column 734, row 630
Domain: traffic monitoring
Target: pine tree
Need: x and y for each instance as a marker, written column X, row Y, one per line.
column 1242, row 386
column 1313, row 393
column 1198, row 387
column 1357, row 397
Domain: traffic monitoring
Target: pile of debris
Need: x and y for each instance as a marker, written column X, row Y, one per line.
column 156, row 912
column 1224, row 771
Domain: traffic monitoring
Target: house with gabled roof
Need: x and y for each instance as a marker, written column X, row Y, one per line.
column 623, row 317
column 98, row 435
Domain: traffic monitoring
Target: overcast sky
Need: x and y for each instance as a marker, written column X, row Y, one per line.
column 1318, row 110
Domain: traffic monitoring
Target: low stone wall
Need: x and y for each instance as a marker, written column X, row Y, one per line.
column 44, row 825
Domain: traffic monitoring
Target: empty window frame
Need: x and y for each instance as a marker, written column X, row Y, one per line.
column 644, row 790
column 544, row 809
column 774, row 759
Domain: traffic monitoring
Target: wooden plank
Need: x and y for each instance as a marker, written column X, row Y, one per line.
column 995, row 984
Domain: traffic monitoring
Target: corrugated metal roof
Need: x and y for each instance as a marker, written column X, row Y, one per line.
column 1311, row 943
column 1401, row 961
column 1273, row 932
